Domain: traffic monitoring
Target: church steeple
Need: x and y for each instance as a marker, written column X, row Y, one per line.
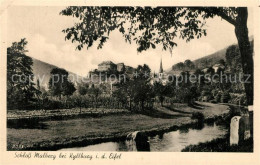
column 161, row 67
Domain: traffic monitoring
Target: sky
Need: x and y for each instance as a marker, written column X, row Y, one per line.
column 42, row 27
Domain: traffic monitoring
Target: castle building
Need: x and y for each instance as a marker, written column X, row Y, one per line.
column 106, row 65
column 120, row 67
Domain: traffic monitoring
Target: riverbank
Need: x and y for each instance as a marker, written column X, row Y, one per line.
column 57, row 134
column 221, row 145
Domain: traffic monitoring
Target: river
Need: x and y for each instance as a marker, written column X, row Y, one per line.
column 173, row 141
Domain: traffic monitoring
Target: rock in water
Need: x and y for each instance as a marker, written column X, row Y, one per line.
column 130, row 141
column 137, row 141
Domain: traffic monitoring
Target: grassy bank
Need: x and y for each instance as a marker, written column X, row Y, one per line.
column 221, row 145
column 61, row 113
column 56, row 134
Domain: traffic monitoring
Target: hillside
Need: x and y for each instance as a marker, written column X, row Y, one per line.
column 41, row 70
column 211, row 59
column 206, row 61
column 200, row 63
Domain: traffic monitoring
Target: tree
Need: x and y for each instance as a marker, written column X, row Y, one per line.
column 222, row 62
column 125, row 92
column 20, row 88
column 78, row 100
column 39, row 93
column 211, row 71
column 198, row 72
column 189, row 64
column 94, row 92
column 234, row 59
column 142, row 92
column 43, row 99
column 151, row 26
column 178, row 66
column 59, row 84
column 69, row 88
column 141, row 86
column 120, row 94
column 161, row 91
column 138, row 89
column 83, row 88
column 187, row 87
column 143, row 72
column 234, row 65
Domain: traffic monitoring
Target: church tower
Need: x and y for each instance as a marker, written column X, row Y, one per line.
column 161, row 69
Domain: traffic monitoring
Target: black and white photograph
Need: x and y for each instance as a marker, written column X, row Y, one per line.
column 129, row 79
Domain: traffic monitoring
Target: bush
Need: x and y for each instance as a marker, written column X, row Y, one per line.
column 225, row 119
column 198, row 115
column 213, row 101
column 205, row 93
column 54, row 104
column 217, row 97
column 225, row 97
column 236, row 98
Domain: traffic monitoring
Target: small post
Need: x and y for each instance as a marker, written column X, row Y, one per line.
column 234, row 130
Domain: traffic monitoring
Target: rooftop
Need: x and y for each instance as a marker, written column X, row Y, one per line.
column 106, row 63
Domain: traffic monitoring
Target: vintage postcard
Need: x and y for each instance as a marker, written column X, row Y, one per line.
column 109, row 82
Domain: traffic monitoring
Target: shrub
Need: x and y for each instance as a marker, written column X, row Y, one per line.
column 54, row 104
column 236, row 98
column 225, row 97
column 198, row 115
column 205, row 93
column 217, row 97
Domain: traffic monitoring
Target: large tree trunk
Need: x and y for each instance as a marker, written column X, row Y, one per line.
column 246, row 52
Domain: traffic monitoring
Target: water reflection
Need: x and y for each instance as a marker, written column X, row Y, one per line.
column 160, row 136
column 184, row 131
column 177, row 140
column 109, row 146
column 173, row 141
